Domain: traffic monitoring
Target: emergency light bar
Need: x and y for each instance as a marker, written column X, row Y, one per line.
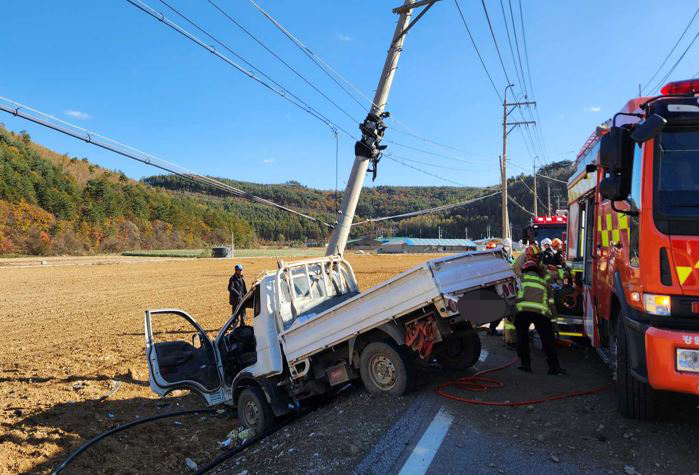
column 689, row 86
column 549, row 219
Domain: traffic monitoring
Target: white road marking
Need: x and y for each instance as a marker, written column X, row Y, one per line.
column 484, row 356
column 425, row 450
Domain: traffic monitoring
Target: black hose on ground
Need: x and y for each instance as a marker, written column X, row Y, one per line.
column 131, row 424
column 236, row 450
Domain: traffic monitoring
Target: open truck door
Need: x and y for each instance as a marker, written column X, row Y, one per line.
column 181, row 363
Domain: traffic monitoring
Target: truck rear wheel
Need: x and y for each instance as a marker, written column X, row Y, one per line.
column 386, row 368
column 459, row 352
column 636, row 399
column 254, row 411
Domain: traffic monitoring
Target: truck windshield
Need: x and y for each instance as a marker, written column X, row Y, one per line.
column 677, row 181
column 550, row 232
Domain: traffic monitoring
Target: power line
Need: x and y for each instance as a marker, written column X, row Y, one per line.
column 430, row 164
column 509, row 41
column 391, row 157
column 534, row 194
column 279, row 90
column 427, row 211
column 662, row 81
column 497, row 48
column 437, row 154
column 143, row 157
column 519, row 56
column 291, row 68
column 520, row 206
column 325, row 67
column 473, row 42
column 671, row 51
column 333, row 74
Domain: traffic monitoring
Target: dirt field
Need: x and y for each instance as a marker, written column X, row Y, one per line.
column 72, row 333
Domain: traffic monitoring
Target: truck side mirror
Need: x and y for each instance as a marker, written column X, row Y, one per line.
column 614, row 187
column 616, row 150
column 649, row 128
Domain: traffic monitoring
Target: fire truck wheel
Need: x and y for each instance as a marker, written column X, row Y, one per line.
column 636, row 399
column 254, row 411
column 386, row 368
column 459, row 352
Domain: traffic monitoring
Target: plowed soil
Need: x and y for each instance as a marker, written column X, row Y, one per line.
column 73, row 362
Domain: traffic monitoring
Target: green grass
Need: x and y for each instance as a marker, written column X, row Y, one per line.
column 169, row 253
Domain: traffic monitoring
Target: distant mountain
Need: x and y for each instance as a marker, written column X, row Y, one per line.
column 476, row 218
column 51, row 203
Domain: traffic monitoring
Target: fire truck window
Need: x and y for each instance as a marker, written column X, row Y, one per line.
column 573, row 219
column 635, row 198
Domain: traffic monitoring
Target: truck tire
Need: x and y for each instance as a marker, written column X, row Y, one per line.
column 459, row 352
column 636, row 399
column 254, row 411
column 386, row 368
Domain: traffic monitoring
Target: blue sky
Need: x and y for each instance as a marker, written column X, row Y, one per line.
column 110, row 68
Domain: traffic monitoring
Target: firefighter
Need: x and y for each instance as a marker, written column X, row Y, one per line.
column 535, row 305
column 548, row 256
column 236, row 287
column 559, row 259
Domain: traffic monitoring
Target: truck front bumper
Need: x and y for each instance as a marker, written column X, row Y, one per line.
column 663, row 350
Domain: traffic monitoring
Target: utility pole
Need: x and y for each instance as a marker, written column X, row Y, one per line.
column 503, row 159
column 535, row 196
column 368, row 148
column 548, row 186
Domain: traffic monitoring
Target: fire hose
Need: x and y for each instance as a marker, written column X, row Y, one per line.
column 477, row 383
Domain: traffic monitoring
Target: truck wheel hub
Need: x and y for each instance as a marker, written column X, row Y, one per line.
column 252, row 413
column 383, row 372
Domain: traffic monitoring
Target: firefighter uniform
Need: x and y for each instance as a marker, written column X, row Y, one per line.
column 535, row 305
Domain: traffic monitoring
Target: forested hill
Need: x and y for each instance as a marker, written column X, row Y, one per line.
column 56, row 204
column 271, row 224
column 52, row 203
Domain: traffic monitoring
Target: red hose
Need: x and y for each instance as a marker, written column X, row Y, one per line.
column 478, row 384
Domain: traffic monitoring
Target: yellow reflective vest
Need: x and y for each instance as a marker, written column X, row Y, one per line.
column 534, row 295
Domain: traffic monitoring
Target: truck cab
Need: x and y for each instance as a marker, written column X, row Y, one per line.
column 633, row 237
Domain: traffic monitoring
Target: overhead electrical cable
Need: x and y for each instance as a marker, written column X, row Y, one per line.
column 112, row 145
column 430, row 164
column 532, row 191
column 392, row 158
column 280, row 59
column 519, row 56
column 436, row 154
column 509, row 41
column 325, row 67
column 473, row 42
column 279, row 90
column 671, row 51
column 672, row 69
column 428, row 211
column 519, row 205
column 497, row 48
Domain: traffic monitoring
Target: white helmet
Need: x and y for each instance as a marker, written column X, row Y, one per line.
column 546, row 242
column 507, row 243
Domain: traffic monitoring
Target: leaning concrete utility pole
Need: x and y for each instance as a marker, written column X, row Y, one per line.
column 368, row 148
column 503, row 158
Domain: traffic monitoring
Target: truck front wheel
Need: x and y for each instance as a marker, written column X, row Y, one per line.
column 254, row 411
column 386, row 368
column 459, row 352
column 636, row 398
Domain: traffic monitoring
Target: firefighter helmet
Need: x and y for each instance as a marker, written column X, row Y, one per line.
column 557, row 244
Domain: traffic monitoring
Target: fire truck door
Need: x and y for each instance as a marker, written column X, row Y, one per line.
column 589, row 237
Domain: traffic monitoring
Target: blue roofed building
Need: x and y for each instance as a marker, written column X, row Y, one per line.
column 416, row 245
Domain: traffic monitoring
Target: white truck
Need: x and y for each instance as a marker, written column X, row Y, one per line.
column 313, row 331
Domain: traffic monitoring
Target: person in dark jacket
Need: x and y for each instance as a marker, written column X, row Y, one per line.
column 535, row 305
column 236, row 287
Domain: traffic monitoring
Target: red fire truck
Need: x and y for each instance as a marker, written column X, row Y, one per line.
column 633, row 242
column 549, row 226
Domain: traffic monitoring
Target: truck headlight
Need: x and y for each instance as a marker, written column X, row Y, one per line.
column 657, row 304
